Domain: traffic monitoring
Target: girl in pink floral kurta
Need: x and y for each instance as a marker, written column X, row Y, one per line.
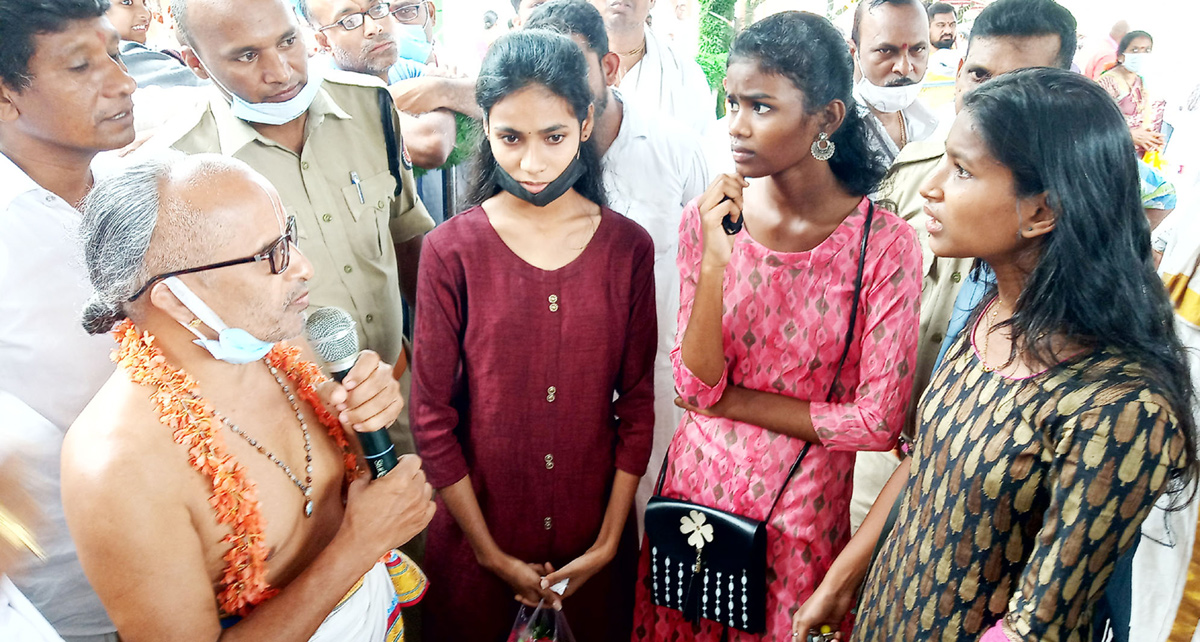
column 784, row 322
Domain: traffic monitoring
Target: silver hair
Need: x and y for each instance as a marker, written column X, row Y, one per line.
column 119, row 217
column 179, row 13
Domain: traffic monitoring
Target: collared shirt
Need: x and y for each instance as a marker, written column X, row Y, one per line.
column 920, row 123
column 672, row 84
column 652, row 170
column 942, row 276
column 342, row 195
column 51, row 369
column 943, row 63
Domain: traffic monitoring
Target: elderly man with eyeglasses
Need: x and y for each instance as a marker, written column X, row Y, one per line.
column 329, row 142
column 210, row 485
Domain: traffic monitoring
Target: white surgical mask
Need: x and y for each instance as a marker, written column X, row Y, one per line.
column 233, row 345
column 887, row 99
column 277, row 113
column 1137, row 62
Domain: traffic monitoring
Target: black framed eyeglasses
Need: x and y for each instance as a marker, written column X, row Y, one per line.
column 278, row 254
column 356, row 20
column 408, row 13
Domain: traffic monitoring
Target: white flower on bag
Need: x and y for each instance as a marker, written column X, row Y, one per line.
column 693, row 523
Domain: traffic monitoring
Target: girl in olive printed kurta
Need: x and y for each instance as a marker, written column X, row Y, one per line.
column 1020, row 494
column 1062, row 411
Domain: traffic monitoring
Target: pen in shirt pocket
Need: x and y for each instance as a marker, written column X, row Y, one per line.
column 357, row 185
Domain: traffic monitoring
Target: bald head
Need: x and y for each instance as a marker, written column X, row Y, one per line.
column 1119, row 29
column 250, row 48
column 162, row 215
column 202, row 203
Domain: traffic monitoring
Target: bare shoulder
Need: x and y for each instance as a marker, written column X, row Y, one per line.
column 117, row 448
column 126, row 488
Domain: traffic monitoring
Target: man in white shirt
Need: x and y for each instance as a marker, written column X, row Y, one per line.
column 1166, row 565
column 943, row 35
column 652, row 168
column 30, row 448
column 650, row 72
column 64, row 97
column 890, row 44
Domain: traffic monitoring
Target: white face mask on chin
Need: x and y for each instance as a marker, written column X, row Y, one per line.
column 886, row 99
column 277, row 113
column 232, row 345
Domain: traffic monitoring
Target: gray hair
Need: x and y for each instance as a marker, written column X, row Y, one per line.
column 179, row 13
column 119, row 217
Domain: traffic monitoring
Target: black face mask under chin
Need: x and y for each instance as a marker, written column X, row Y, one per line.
column 553, row 189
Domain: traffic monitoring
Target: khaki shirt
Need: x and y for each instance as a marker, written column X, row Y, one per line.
column 901, row 193
column 943, row 276
column 348, row 235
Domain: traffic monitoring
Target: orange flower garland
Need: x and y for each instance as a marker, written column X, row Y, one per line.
column 243, row 583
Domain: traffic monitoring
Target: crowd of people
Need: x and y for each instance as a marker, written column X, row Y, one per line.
column 893, row 373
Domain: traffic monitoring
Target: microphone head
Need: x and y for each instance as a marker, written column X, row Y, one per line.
column 331, row 333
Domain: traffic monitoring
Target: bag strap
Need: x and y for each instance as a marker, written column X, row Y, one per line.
column 390, row 139
column 858, row 279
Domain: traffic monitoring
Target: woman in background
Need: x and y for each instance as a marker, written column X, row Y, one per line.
column 1125, row 84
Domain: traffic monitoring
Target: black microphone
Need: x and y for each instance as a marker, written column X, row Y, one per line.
column 331, row 333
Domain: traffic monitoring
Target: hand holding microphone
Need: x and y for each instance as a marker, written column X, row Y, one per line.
column 368, row 401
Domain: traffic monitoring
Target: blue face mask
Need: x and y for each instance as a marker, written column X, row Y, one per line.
column 277, row 113
column 412, row 43
column 233, row 345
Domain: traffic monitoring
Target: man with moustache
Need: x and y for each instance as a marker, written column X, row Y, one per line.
column 64, row 97
column 943, row 25
column 651, row 72
column 652, row 168
column 332, row 148
column 360, row 43
column 943, row 34
column 890, row 45
column 210, row 484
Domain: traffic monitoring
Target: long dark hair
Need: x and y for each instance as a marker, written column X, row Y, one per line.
column 1062, row 135
column 807, row 50
column 535, row 57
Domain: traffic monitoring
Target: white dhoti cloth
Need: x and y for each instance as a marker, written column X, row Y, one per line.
column 370, row 612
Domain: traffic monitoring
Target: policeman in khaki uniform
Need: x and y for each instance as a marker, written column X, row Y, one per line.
column 320, row 137
column 942, row 276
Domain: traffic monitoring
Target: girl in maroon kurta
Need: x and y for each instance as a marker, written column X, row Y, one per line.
column 532, row 399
